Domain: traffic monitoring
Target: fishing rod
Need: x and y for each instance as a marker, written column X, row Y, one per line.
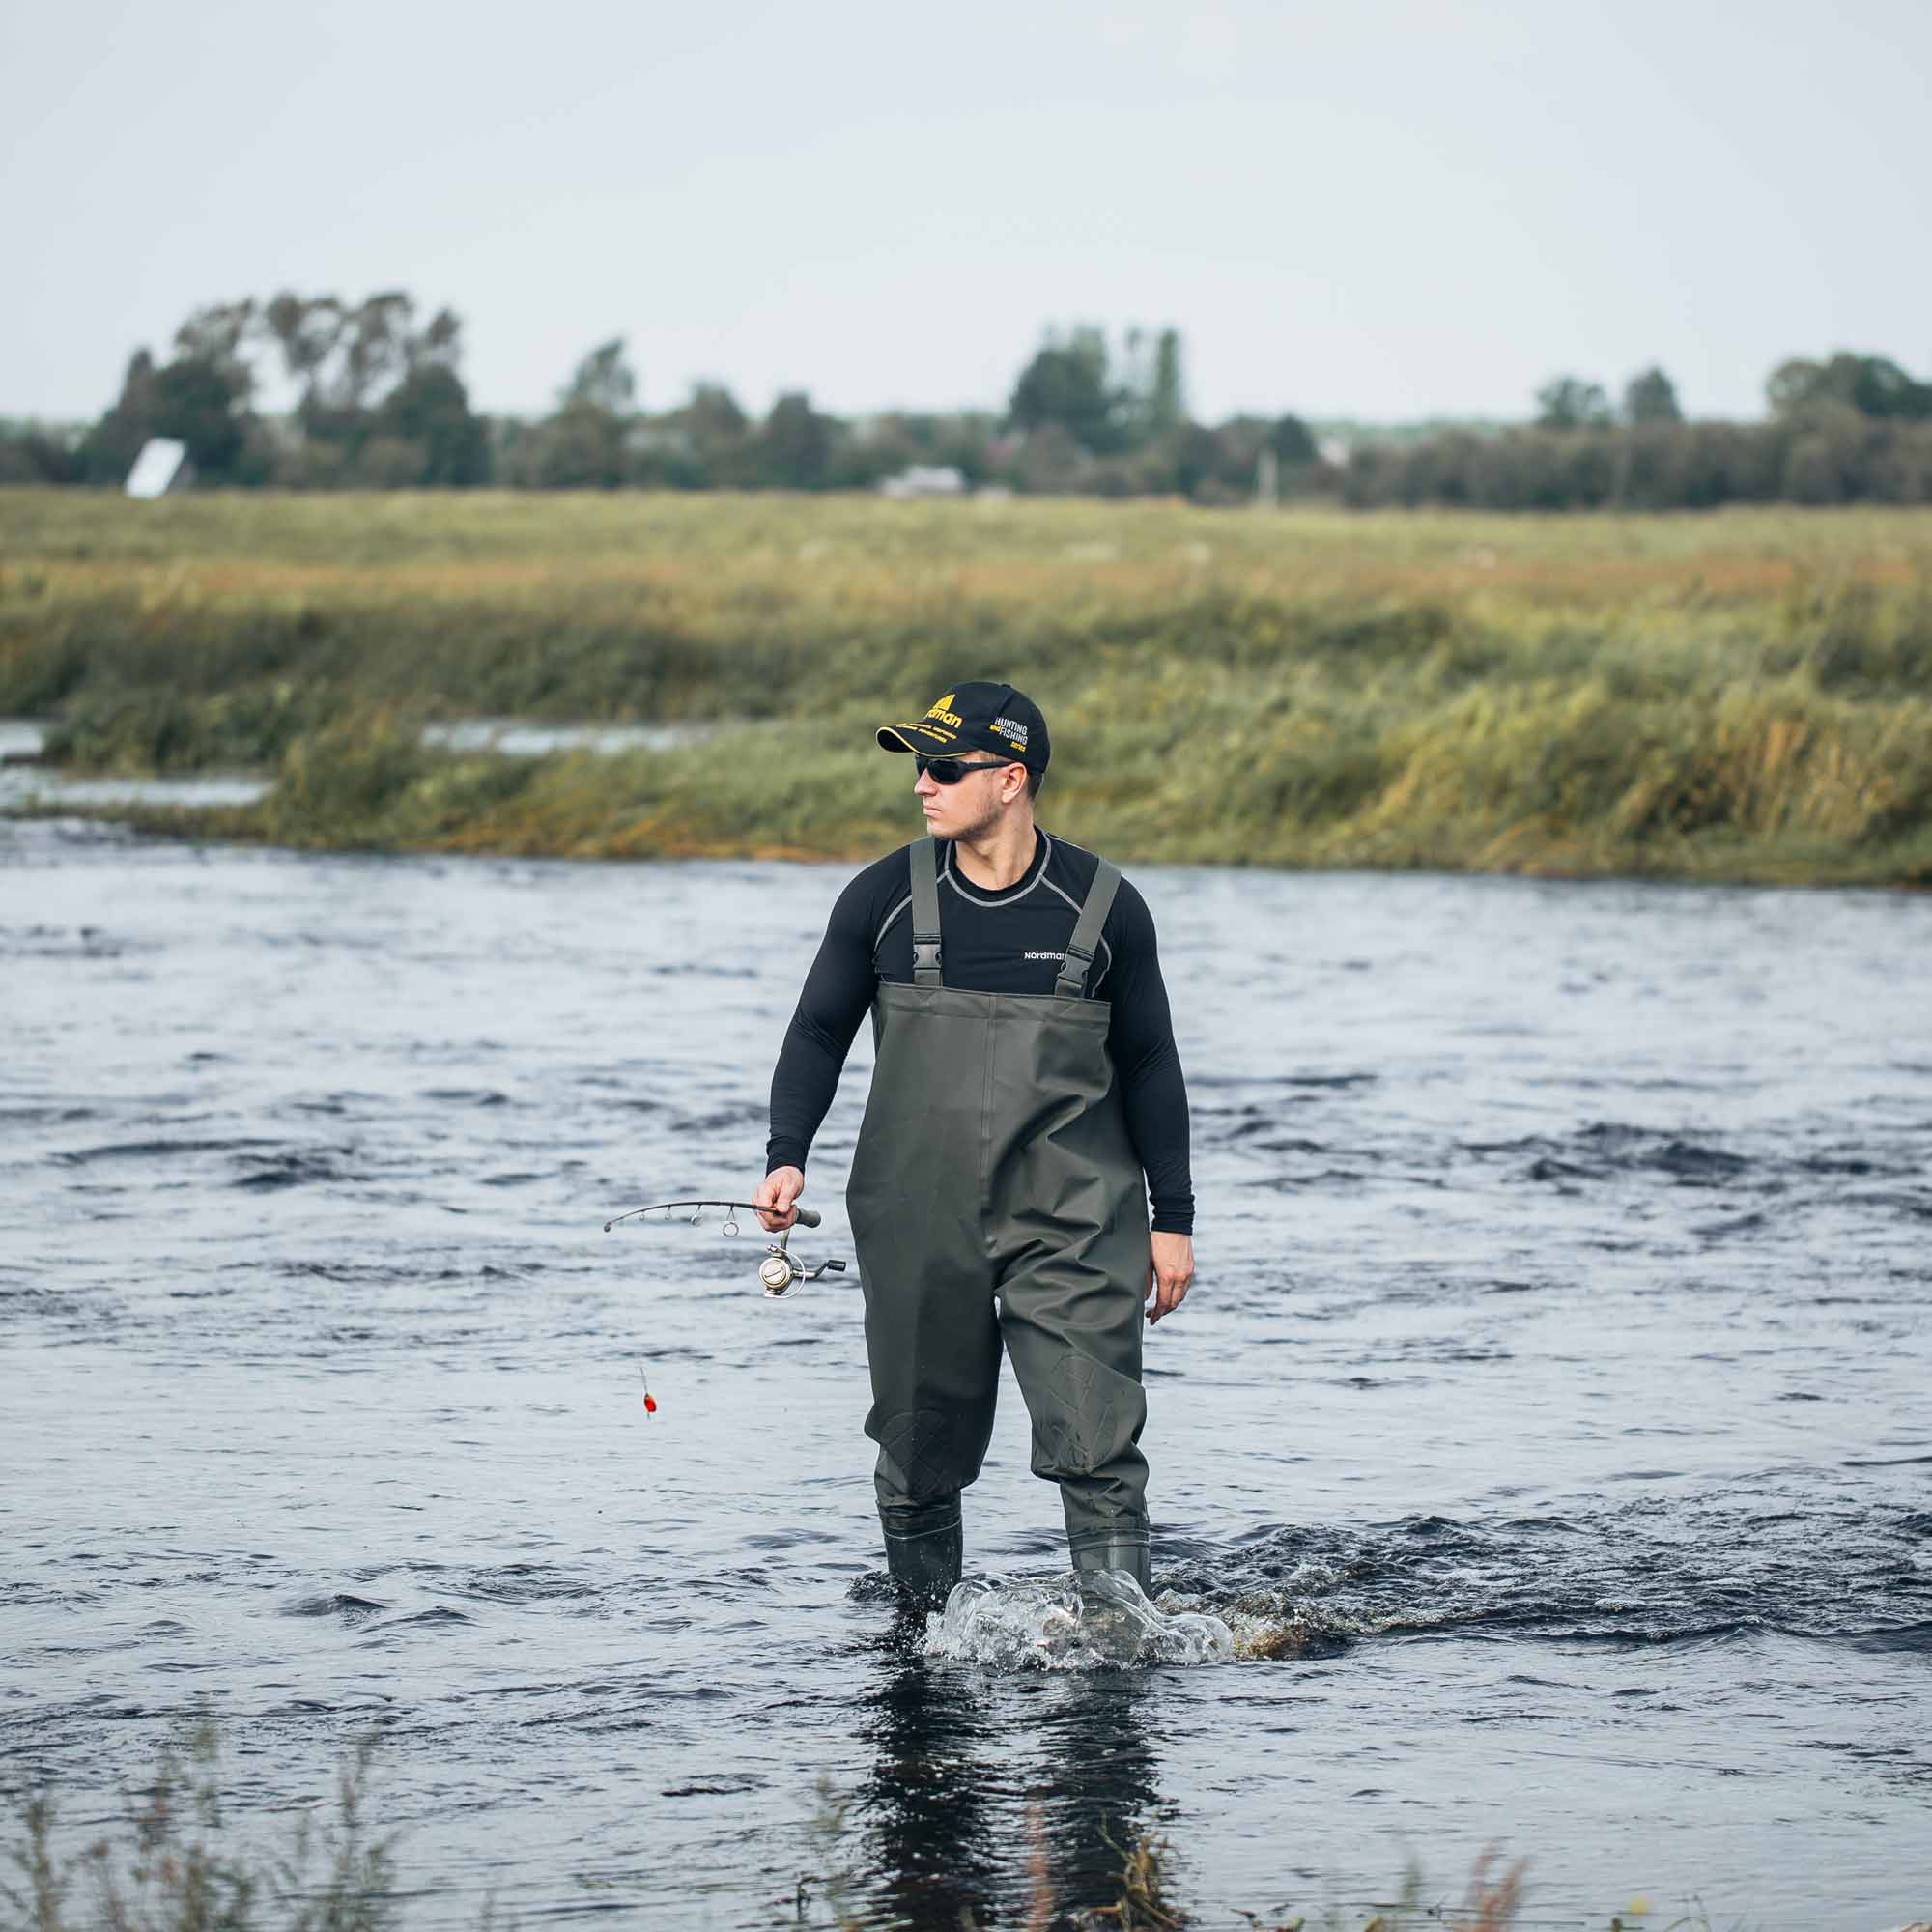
column 780, row 1271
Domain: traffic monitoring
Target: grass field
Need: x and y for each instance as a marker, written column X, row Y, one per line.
column 1744, row 695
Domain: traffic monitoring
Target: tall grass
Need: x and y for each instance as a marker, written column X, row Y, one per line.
column 178, row 1862
column 1742, row 696
column 1784, row 784
column 175, row 1867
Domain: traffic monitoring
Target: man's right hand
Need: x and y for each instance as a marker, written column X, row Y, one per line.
column 776, row 1192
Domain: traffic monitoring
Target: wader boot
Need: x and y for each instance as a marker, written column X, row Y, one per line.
column 995, row 1194
column 923, row 1548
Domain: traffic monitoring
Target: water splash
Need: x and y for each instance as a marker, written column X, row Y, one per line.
column 1098, row 1620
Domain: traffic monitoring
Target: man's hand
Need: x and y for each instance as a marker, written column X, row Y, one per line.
column 776, row 1192
column 1170, row 1273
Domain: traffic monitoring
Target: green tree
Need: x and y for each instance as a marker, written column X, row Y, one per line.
column 1570, row 402
column 1197, row 458
column 202, row 404
column 429, row 409
column 604, row 380
column 1167, row 399
column 29, row 454
column 581, row 447
column 1292, row 442
column 345, row 358
column 108, row 450
column 221, row 335
column 712, row 416
column 375, row 349
column 1872, row 384
column 1051, row 461
column 1066, row 386
column 795, row 444
column 1651, row 397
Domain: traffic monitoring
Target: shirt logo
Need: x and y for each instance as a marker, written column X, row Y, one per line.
column 1060, row 956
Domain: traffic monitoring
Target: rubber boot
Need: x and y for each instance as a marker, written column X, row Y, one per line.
column 923, row 1549
column 1119, row 1553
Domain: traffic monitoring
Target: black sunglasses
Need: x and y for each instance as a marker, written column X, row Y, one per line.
column 950, row 771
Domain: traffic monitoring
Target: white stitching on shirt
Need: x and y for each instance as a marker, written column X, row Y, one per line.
column 888, row 926
column 1004, row 898
column 1106, row 954
column 1094, row 991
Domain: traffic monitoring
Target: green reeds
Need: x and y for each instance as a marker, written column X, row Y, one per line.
column 150, row 728
column 180, row 1862
column 1742, row 696
column 1780, row 786
column 175, row 1867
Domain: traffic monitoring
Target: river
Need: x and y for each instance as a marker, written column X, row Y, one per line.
column 1552, row 1405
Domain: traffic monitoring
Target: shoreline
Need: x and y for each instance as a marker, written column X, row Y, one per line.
column 1741, row 699
column 238, row 827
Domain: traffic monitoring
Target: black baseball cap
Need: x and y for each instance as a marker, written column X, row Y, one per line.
column 976, row 717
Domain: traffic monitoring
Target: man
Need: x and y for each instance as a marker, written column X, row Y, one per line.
column 1026, row 1079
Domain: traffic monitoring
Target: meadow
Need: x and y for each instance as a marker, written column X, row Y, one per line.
column 1741, row 695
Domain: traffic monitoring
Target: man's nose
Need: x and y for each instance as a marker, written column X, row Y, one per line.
column 923, row 784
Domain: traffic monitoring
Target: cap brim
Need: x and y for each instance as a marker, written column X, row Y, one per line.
column 916, row 738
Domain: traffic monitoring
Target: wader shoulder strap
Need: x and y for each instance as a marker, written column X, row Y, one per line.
column 1086, row 940
column 925, row 914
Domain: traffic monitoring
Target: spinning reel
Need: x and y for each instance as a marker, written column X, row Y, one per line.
column 780, row 1270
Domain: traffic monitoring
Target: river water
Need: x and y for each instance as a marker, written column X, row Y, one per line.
column 1550, row 1424
column 26, row 785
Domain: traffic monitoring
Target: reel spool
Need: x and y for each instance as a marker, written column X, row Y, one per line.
column 782, row 1270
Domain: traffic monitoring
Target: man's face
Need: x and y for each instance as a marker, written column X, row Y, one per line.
column 975, row 805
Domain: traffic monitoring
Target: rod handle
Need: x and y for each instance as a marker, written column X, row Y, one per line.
column 808, row 1217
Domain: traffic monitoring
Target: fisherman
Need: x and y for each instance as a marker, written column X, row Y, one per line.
column 1026, row 1079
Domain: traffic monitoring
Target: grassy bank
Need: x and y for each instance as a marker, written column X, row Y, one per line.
column 183, row 1861
column 1739, row 697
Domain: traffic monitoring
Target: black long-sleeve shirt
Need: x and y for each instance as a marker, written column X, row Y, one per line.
column 1009, row 941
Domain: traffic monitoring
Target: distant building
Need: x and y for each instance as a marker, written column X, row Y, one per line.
column 648, row 439
column 926, row 479
column 162, row 465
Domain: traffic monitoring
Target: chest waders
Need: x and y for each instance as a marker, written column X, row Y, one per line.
column 995, row 1194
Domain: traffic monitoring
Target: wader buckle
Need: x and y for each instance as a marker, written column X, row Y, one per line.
column 1071, row 981
column 925, row 955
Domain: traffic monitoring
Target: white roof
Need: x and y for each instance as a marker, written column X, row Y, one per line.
column 156, row 467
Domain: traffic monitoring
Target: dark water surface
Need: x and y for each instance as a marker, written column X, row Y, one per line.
column 1552, row 1403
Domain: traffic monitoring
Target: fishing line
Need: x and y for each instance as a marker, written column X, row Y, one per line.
column 778, row 1272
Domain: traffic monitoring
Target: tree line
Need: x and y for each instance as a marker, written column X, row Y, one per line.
column 377, row 402
column 1846, row 429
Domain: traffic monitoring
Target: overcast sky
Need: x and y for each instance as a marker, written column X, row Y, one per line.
column 1377, row 208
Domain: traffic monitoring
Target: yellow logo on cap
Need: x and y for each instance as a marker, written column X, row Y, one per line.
column 945, row 713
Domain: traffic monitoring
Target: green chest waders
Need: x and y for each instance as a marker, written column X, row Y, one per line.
column 995, row 1193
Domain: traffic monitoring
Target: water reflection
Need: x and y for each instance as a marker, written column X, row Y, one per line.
column 1101, row 1790
column 942, row 1800
column 924, row 1803
column 527, row 738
